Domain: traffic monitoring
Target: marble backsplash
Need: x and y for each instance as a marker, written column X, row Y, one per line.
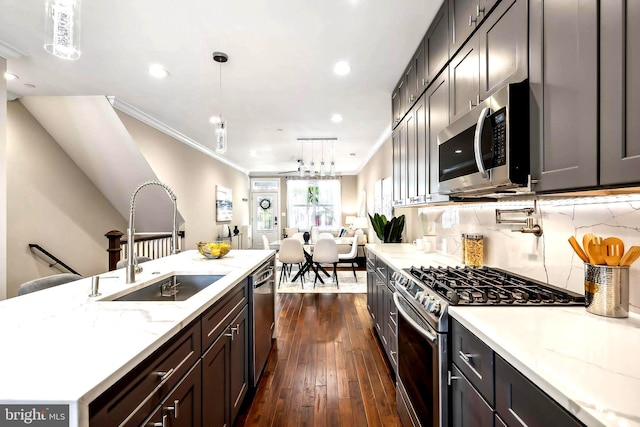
column 548, row 258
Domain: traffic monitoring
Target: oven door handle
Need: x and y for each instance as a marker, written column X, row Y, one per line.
column 477, row 142
column 427, row 334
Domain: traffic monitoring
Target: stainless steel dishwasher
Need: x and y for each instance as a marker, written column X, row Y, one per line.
column 262, row 321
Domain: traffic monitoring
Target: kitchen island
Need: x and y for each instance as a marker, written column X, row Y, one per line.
column 61, row 346
column 587, row 364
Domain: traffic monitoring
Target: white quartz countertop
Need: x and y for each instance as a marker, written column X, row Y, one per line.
column 589, row 364
column 61, row 346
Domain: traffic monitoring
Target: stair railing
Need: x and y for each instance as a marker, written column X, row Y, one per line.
column 54, row 260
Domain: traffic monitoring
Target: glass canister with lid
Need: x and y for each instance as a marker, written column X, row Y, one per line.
column 473, row 250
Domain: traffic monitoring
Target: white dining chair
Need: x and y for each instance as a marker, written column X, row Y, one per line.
column 265, row 242
column 351, row 256
column 325, row 236
column 325, row 252
column 299, row 236
column 291, row 252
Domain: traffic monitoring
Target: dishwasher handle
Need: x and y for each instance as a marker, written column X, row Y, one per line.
column 262, row 277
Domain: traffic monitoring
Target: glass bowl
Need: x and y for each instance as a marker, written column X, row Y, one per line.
column 214, row 250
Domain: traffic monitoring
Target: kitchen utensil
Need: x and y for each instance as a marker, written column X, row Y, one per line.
column 576, row 247
column 594, row 251
column 630, row 256
column 586, row 239
column 612, row 249
column 606, row 290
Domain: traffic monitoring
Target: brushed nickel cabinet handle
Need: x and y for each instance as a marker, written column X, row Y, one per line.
column 472, row 20
column 164, row 375
column 174, row 408
column 465, row 356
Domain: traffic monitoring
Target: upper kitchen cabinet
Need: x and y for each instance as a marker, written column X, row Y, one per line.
column 563, row 78
column 435, row 47
column 619, row 92
column 437, row 110
column 495, row 55
column 397, row 103
column 399, row 153
column 465, row 16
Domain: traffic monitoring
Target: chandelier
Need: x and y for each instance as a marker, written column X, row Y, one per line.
column 62, row 28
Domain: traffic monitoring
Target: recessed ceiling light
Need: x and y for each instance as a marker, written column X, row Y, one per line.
column 9, row 76
column 342, row 68
column 214, row 119
column 158, row 71
column 29, row 85
column 336, row 118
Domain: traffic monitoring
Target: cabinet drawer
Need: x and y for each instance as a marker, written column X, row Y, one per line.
column 468, row 408
column 474, row 358
column 519, row 402
column 134, row 396
column 382, row 269
column 217, row 318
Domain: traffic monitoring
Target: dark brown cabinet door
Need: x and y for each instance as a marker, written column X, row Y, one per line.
column 437, row 109
column 504, row 47
column 411, row 177
column 397, row 180
column 464, row 70
column 619, row 92
column 463, row 21
column 215, row 384
column 183, row 406
column 395, row 107
column 422, row 150
column 468, row 408
column 239, row 370
column 436, row 46
column 519, row 402
column 563, row 78
column 410, row 85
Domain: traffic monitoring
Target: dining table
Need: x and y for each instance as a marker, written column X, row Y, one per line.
column 308, row 255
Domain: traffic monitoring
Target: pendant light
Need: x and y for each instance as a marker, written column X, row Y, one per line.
column 221, row 127
column 301, row 168
column 312, row 166
column 332, row 166
column 322, row 161
column 62, row 28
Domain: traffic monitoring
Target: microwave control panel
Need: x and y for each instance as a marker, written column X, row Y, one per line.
column 499, row 125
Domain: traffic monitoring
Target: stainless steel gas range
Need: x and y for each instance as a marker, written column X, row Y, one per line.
column 422, row 298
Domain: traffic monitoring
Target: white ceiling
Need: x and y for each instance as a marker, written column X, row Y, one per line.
column 277, row 86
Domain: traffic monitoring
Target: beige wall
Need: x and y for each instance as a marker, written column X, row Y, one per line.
column 52, row 203
column 193, row 177
column 3, row 180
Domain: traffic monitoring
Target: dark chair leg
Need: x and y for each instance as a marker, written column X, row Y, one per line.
column 301, row 276
column 282, row 273
column 353, row 268
column 315, row 279
column 335, row 274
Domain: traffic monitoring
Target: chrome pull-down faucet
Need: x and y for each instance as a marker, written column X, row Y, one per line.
column 131, row 262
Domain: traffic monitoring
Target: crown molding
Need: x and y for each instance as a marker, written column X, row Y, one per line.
column 386, row 133
column 10, row 52
column 156, row 124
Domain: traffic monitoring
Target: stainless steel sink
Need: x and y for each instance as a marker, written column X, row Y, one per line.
column 174, row 288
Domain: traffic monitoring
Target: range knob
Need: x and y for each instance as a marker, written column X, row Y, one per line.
column 420, row 297
column 435, row 308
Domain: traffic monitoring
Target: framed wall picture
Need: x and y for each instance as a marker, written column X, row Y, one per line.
column 224, row 204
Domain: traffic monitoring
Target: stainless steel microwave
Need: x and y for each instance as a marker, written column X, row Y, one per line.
column 487, row 150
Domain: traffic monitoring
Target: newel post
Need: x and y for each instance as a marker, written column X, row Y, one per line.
column 114, row 247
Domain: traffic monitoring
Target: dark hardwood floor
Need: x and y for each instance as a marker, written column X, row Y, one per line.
column 326, row 367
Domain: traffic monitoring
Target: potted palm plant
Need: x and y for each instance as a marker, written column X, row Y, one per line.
column 388, row 231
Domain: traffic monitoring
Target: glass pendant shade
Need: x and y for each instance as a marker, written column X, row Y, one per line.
column 62, row 28
column 312, row 169
column 322, row 172
column 221, row 137
column 332, row 169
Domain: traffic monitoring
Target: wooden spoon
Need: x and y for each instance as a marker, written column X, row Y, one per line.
column 594, row 251
column 585, row 244
column 630, row 256
column 612, row 249
column 576, row 247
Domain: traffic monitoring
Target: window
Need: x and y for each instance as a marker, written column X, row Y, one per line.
column 312, row 202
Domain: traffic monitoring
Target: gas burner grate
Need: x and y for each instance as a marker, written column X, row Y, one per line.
column 491, row 286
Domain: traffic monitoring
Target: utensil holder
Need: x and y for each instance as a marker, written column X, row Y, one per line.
column 606, row 290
